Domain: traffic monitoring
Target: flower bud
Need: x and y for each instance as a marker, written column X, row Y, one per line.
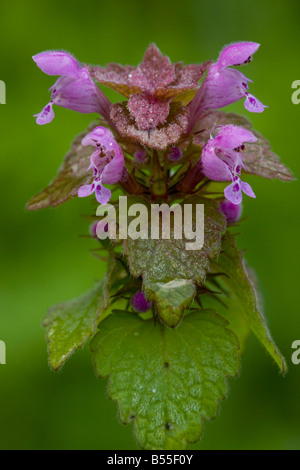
column 139, row 302
column 141, row 157
column 231, row 211
column 175, row 154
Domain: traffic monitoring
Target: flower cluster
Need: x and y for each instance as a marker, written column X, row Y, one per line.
column 166, row 142
column 164, row 107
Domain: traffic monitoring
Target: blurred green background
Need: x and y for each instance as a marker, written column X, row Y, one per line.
column 44, row 259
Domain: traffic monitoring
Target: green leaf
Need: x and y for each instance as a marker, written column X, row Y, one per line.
column 240, row 283
column 166, row 381
column 227, row 306
column 71, row 323
column 169, row 270
column 171, row 298
column 258, row 157
column 165, row 260
column 70, row 177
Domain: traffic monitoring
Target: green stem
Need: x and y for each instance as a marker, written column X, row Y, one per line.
column 158, row 180
column 131, row 186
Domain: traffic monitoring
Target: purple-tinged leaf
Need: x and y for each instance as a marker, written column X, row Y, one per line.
column 71, row 176
column 155, row 76
column 147, row 111
column 160, row 137
column 154, row 72
column 188, row 76
column 115, row 76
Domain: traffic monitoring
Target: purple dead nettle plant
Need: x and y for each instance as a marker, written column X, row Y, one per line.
column 166, row 141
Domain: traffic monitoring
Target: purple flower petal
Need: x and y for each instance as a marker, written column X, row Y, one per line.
column 57, row 63
column 86, row 190
column 79, row 95
column 253, row 105
column 46, row 115
column 114, row 171
column 237, row 54
column 231, row 136
column 101, row 137
column 233, row 192
column 213, row 167
column 60, row 83
column 232, row 159
column 102, row 194
column 219, row 89
column 246, row 188
column 97, row 163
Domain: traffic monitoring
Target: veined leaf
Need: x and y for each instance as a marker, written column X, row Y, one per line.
column 71, row 323
column 166, row 381
column 72, row 174
column 169, row 270
column 243, row 294
column 163, row 260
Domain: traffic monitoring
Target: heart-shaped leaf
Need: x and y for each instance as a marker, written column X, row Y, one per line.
column 166, row 381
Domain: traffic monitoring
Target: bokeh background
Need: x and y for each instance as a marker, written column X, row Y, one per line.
column 45, row 256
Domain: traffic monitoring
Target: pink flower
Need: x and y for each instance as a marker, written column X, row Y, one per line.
column 225, row 85
column 107, row 162
column 74, row 89
column 222, row 160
